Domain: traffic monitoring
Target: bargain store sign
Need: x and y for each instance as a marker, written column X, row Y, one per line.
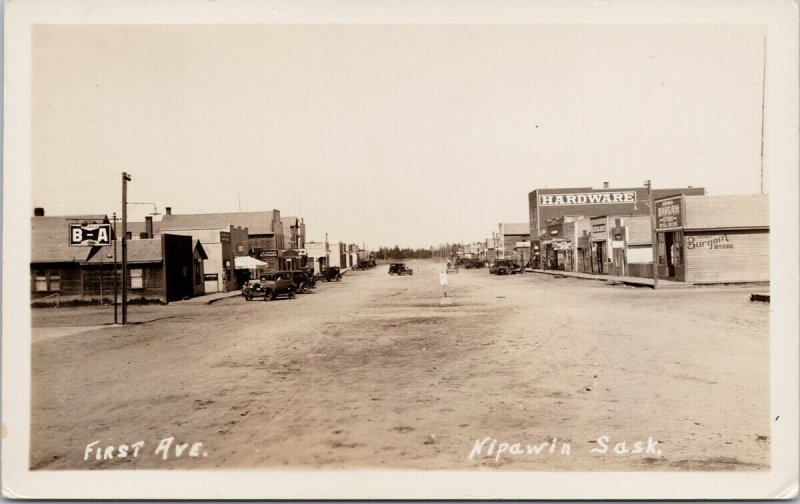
column 592, row 198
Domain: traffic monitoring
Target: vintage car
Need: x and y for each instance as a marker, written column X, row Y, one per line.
column 303, row 282
column 332, row 274
column 269, row 287
column 504, row 267
column 400, row 269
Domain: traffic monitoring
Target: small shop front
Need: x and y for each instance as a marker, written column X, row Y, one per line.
column 557, row 249
column 713, row 239
column 601, row 250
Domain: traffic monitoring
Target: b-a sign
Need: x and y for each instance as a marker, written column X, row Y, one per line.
column 89, row 235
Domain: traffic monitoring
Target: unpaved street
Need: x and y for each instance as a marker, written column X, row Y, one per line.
column 374, row 372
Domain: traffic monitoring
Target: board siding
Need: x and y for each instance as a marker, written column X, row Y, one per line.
column 746, row 261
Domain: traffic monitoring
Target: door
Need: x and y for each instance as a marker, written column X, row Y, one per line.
column 669, row 241
column 619, row 262
column 601, row 257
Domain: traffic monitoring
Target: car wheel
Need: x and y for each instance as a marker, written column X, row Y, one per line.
column 268, row 295
column 305, row 289
column 338, row 278
column 292, row 294
column 248, row 298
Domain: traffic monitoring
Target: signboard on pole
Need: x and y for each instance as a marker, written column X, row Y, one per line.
column 89, row 235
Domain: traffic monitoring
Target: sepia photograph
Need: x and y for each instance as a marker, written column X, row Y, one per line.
column 362, row 250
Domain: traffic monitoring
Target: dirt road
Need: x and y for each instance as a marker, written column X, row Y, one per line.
column 374, row 372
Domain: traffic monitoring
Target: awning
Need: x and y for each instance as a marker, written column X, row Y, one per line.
column 247, row 262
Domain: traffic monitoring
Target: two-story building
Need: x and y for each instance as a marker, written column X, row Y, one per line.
column 546, row 204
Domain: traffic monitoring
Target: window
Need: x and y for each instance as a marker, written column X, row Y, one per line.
column 137, row 279
column 40, row 281
column 55, row 281
column 239, row 248
column 197, row 276
column 46, row 280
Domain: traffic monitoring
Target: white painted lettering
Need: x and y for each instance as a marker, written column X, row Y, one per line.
column 602, row 443
column 180, row 448
column 89, row 447
column 195, row 450
column 163, row 446
column 136, row 447
column 478, row 448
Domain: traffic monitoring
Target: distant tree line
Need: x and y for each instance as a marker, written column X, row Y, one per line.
column 402, row 253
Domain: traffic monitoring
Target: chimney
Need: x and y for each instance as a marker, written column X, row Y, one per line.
column 169, row 210
column 38, row 212
column 148, row 226
column 605, row 185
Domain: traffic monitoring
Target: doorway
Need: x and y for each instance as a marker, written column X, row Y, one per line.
column 669, row 242
column 601, row 256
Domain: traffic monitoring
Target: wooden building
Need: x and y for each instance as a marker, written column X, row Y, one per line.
column 159, row 268
column 713, row 239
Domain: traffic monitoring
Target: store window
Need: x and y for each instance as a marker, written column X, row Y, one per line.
column 47, row 280
column 239, row 248
column 40, row 281
column 137, row 280
column 55, row 280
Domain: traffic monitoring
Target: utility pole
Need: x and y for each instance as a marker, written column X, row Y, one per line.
column 763, row 95
column 125, row 179
column 114, row 218
column 653, row 234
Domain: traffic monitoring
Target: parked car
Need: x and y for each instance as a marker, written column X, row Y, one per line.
column 303, row 283
column 332, row 274
column 361, row 266
column 504, row 267
column 269, row 287
column 400, row 269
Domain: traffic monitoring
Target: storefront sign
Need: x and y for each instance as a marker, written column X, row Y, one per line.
column 89, row 235
column 210, row 276
column 224, row 237
column 269, row 253
column 668, row 213
column 593, row 198
column 715, row 242
column 617, row 244
column 599, row 228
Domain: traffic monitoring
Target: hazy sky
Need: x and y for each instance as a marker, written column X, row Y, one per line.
column 388, row 134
